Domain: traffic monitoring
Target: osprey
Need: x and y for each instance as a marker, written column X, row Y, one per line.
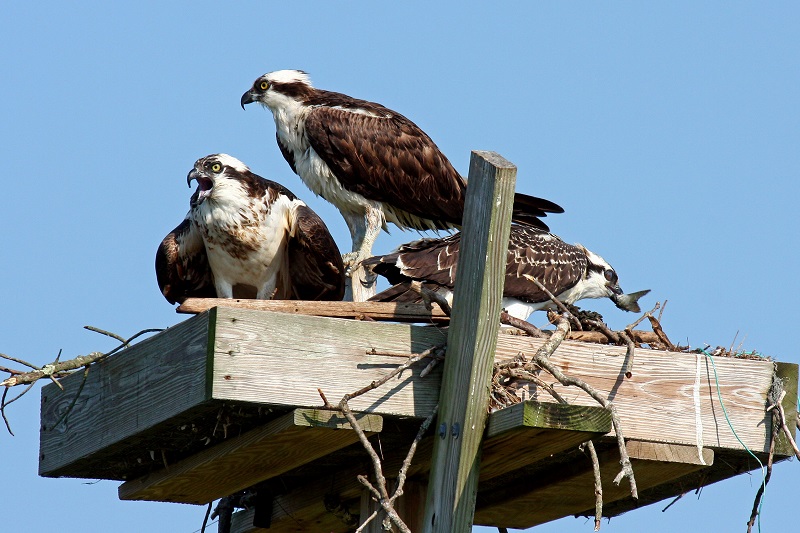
column 569, row 272
column 372, row 163
column 247, row 237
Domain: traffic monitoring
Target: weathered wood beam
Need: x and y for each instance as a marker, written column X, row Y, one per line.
column 787, row 374
column 128, row 403
column 464, row 395
column 257, row 455
column 122, row 396
column 532, row 430
column 529, row 432
column 540, row 499
column 394, row 311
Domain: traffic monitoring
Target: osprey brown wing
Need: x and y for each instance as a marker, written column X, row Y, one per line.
column 388, row 159
column 182, row 267
column 316, row 270
column 557, row 265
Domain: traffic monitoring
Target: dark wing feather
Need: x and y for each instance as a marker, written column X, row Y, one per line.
column 556, row 264
column 288, row 155
column 389, row 160
column 529, row 210
column 182, row 267
column 315, row 264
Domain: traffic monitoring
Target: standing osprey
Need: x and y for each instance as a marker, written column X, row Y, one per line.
column 569, row 272
column 372, row 163
column 247, row 237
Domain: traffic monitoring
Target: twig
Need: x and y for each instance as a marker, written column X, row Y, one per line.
column 60, row 367
column 429, row 296
column 555, row 300
column 367, row 521
column 639, row 320
column 542, row 360
column 3, row 412
column 106, row 333
column 381, row 493
column 678, row 497
column 605, row 330
column 20, row 361
column 205, row 520
column 401, row 476
column 782, row 422
column 629, row 354
column 523, row 325
column 656, row 325
column 598, row 486
column 757, row 502
column 74, row 399
column 4, row 403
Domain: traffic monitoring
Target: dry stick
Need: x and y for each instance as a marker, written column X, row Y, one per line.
column 605, row 330
column 542, row 360
column 54, row 368
column 760, row 493
column 656, row 325
column 598, row 486
column 555, row 300
column 106, row 333
column 782, row 422
column 598, row 482
column 381, row 493
column 429, row 296
column 4, row 403
column 524, row 325
column 20, row 361
column 629, row 354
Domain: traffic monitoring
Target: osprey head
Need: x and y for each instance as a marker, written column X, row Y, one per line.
column 602, row 281
column 209, row 171
column 275, row 87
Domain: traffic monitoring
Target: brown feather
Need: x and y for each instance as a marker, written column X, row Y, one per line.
column 530, row 252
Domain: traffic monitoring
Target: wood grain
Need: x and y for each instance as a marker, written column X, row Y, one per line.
column 537, row 501
column 243, row 461
column 389, row 311
column 124, row 395
column 474, row 327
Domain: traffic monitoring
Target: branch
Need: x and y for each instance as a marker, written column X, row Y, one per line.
column 559, row 304
column 429, row 296
column 542, row 359
column 598, row 485
column 57, row 368
column 381, row 492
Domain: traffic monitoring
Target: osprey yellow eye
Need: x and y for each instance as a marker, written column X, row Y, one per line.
column 216, row 167
column 264, row 85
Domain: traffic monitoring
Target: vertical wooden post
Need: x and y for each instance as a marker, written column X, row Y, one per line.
column 471, row 341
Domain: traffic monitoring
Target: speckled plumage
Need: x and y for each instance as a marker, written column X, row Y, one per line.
column 570, row 272
column 245, row 236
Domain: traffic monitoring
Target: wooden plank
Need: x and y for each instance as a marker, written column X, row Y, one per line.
column 788, row 376
column 529, row 432
column 127, row 394
column 129, row 400
column 520, row 435
column 658, row 402
column 540, row 499
column 399, row 312
column 464, row 395
column 280, row 359
column 243, row 461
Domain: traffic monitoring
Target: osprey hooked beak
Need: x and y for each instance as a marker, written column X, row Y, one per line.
column 247, row 98
column 204, row 184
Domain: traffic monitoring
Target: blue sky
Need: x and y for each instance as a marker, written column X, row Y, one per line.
column 669, row 135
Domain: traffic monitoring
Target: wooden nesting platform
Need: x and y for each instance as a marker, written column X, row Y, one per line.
column 229, row 399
